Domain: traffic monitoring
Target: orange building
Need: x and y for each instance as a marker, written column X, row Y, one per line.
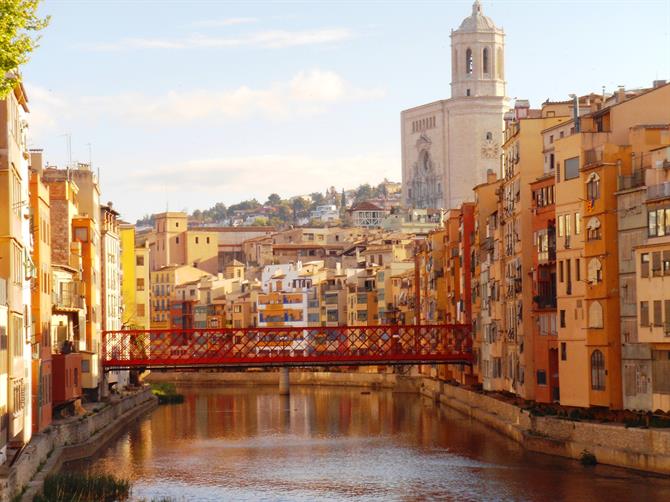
column 545, row 334
column 41, row 297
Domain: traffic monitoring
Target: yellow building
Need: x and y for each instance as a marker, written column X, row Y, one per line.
column 16, row 268
column 135, row 282
column 163, row 283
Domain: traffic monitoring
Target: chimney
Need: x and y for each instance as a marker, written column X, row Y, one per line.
column 621, row 94
column 37, row 160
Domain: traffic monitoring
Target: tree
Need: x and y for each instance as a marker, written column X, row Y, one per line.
column 19, row 25
column 317, row 199
column 274, row 199
column 363, row 192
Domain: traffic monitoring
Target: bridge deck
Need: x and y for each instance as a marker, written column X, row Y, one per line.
column 287, row 346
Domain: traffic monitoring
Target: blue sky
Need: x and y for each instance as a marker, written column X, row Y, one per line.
column 186, row 104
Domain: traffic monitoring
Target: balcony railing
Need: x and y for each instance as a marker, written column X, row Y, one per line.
column 631, row 181
column 593, row 156
column 660, row 191
column 67, row 299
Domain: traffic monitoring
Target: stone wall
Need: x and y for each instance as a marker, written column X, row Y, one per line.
column 67, row 440
column 613, row 444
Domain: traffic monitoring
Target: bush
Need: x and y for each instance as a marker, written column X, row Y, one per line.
column 77, row 487
column 587, row 458
column 166, row 393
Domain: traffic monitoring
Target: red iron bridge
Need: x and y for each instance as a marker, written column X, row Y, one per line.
column 287, row 346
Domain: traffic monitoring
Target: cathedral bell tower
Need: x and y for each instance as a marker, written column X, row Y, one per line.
column 477, row 57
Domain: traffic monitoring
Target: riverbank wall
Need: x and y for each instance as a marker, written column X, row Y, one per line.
column 613, row 444
column 70, row 439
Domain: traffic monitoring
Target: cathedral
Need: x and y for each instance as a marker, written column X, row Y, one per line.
column 449, row 145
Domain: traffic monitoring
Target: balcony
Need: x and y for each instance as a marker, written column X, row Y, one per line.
column 631, row 181
column 660, row 191
column 67, row 299
column 593, row 157
column 545, row 302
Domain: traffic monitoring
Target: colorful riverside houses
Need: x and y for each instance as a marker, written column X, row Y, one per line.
column 485, row 279
column 17, row 270
column 597, row 160
column 41, row 301
column 545, row 334
column 522, row 163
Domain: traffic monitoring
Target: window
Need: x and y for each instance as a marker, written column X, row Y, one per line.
column 81, row 234
column 659, row 222
column 656, row 269
column 140, row 284
column 597, row 370
column 541, row 377
column 176, row 239
column 595, row 315
column 578, row 273
column 468, row 62
column 593, row 187
column 666, row 263
column 658, row 313
column 644, row 314
column 593, row 229
column 197, row 240
column 485, row 60
column 571, row 168
column 141, row 310
column 568, row 225
column 560, row 272
column 207, row 240
column 562, row 316
column 644, row 265
column 564, row 351
column 578, row 223
column 561, row 225
column 594, row 273
column 139, row 261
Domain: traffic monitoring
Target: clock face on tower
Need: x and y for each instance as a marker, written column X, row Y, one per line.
column 489, row 149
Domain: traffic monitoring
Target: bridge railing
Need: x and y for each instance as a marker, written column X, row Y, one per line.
column 287, row 345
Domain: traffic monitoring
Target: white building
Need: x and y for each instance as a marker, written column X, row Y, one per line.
column 326, row 214
column 448, row 145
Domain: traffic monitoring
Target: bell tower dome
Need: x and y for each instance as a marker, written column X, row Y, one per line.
column 477, row 57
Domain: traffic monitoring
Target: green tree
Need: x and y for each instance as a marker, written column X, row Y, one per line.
column 19, row 25
column 274, row 199
column 317, row 199
column 363, row 192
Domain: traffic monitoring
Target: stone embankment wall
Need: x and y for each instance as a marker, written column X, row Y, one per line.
column 67, row 440
column 613, row 444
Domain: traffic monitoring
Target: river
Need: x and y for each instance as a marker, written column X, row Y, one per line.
column 332, row 444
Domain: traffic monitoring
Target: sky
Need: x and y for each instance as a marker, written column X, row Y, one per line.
column 182, row 104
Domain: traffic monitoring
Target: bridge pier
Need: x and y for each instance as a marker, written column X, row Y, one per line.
column 284, row 384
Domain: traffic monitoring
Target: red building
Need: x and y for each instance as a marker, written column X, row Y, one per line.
column 545, row 332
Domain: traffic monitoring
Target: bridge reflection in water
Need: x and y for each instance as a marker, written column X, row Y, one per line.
column 288, row 346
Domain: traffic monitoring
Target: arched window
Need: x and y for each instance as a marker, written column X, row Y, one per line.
column 485, row 60
column 489, row 136
column 500, row 63
column 595, row 271
column 593, row 187
column 593, row 229
column 469, row 64
column 597, row 370
column 595, row 315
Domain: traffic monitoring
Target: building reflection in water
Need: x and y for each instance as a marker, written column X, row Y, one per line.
column 326, row 443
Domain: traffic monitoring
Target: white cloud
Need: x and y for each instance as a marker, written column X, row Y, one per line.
column 307, row 93
column 230, row 21
column 240, row 177
column 275, row 39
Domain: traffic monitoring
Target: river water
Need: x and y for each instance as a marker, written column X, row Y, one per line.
column 332, row 444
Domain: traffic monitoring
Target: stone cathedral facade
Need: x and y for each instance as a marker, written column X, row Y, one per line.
column 449, row 145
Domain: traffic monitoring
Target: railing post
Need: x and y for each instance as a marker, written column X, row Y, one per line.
column 284, row 384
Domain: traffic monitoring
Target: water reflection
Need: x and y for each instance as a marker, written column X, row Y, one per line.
column 342, row 444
